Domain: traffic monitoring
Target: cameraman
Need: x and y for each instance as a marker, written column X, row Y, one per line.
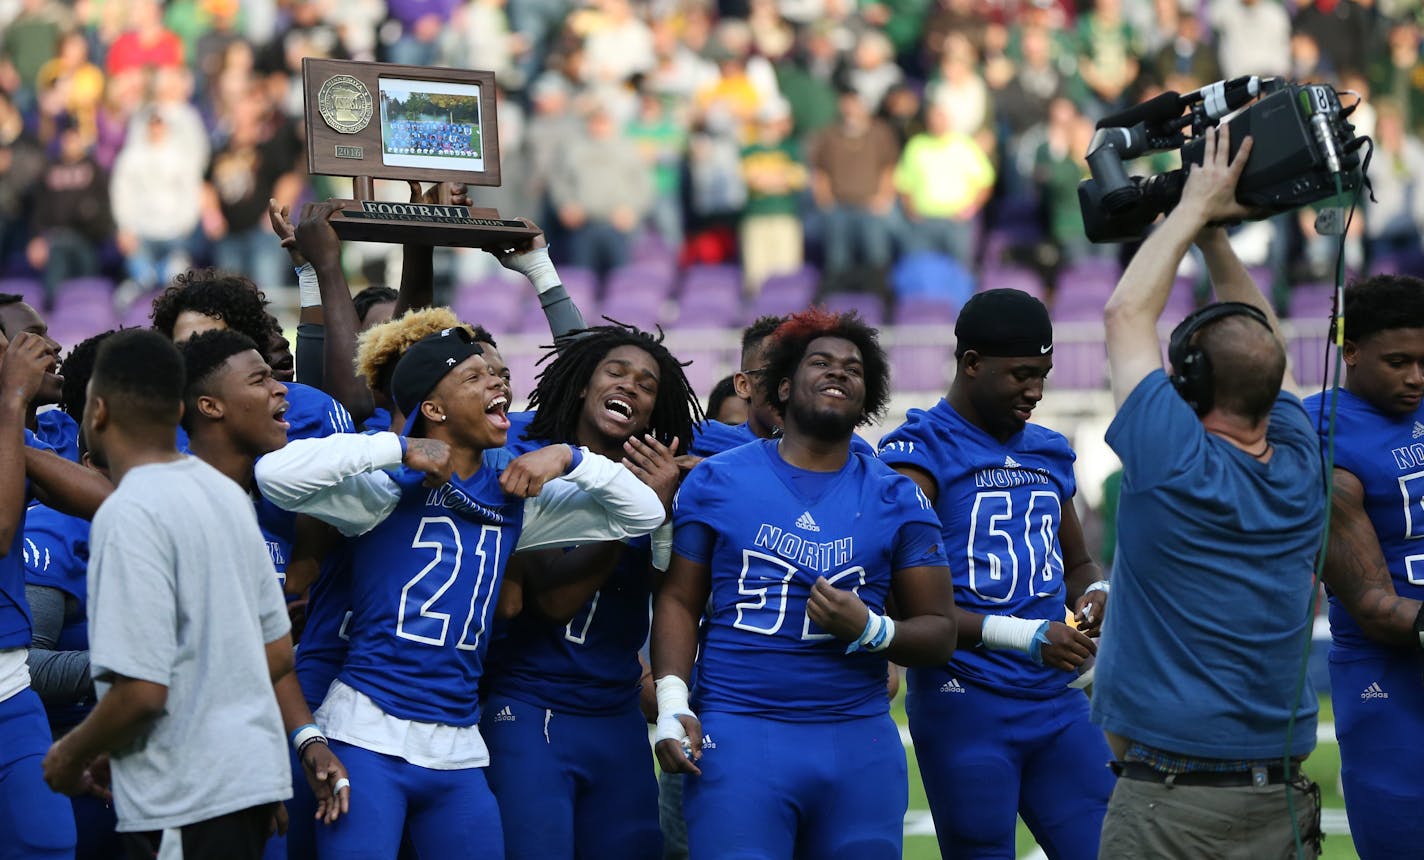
column 1220, row 519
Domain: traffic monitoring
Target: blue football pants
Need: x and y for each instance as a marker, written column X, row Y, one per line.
column 770, row 790
column 572, row 786
column 449, row 813
column 986, row 758
column 35, row 823
column 1379, row 721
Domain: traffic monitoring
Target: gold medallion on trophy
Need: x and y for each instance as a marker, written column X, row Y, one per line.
column 345, row 103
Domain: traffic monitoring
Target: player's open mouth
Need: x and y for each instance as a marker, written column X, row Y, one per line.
column 280, row 415
column 835, row 391
column 496, row 412
column 621, row 410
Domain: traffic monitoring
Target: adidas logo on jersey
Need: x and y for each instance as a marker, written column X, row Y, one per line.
column 504, row 715
column 708, row 743
column 1418, row 429
column 1373, row 691
column 807, row 522
column 951, row 686
column 1009, row 463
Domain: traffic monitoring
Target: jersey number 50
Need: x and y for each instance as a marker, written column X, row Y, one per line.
column 418, row 619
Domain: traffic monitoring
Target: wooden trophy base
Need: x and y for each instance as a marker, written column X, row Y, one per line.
column 427, row 224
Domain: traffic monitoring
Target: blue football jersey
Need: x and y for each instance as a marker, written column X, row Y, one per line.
column 761, row 653
column 15, row 625
column 57, row 556
column 56, row 429
column 1386, row 453
column 1000, row 504
column 713, row 437
column 325, row 636
column 379, row 421
column 590, row 665
column 423, row 589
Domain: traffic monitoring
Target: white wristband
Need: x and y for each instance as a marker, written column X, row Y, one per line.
column 1101, row 585
column 1005, row 632
column 304, row 734
column 307, row 287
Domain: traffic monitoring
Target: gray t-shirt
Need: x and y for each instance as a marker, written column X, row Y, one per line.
column 182, row 593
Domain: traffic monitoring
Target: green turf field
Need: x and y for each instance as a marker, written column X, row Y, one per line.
column 1323, row 766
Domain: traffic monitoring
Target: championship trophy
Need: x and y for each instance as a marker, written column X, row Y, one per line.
column 374, row 121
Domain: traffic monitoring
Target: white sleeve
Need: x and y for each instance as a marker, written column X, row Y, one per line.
column 337, row 479
column 598, row 501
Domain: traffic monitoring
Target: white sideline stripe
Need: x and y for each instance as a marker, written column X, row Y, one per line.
column 1324, row 734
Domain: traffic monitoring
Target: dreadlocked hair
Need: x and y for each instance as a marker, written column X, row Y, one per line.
column 788, row 346
column 225, row 296
column 557, row 402
column 378, row 348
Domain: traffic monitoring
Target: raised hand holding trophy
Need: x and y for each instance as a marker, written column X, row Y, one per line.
column 382, row 121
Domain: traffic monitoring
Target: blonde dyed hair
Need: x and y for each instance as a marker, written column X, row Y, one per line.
column 379, row 347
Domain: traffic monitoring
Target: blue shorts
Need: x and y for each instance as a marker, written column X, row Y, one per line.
column 570, row 785
column 986, row 758
column 37, row 823
column 449, row 813
column 772, row 790
column 1379, row 721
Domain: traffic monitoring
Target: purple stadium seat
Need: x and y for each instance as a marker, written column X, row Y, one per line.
column 1312, row 301
column 581, row 283
column 1307, row 358
column 920, row 369
column 634, row 311
column 1079, row 366
column 495, row 303
column 651, row 278
column 532, row 321
column 708, row 310
column 868, row 305
column 31, row 289
column 81, row 322
column 726, row 280
column 1011, row 278
column 523, row 373
column 1091, row 271
column 792, row 288
column 778, row 303
column 706, row 370
column 917, row 310
column 140, row 313
column 88, row 288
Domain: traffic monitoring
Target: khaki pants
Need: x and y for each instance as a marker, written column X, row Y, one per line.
column 1153, row 820
column 771, row 245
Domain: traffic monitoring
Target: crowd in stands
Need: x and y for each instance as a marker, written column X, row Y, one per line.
column 858, row 138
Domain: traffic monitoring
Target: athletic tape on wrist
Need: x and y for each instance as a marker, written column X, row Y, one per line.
column 1005, row 632
column 537, row 267
column 1101, row 585
column 672, row 703
column 307, row 287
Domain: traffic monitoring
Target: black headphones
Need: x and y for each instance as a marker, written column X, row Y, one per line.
column 1191, row 368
